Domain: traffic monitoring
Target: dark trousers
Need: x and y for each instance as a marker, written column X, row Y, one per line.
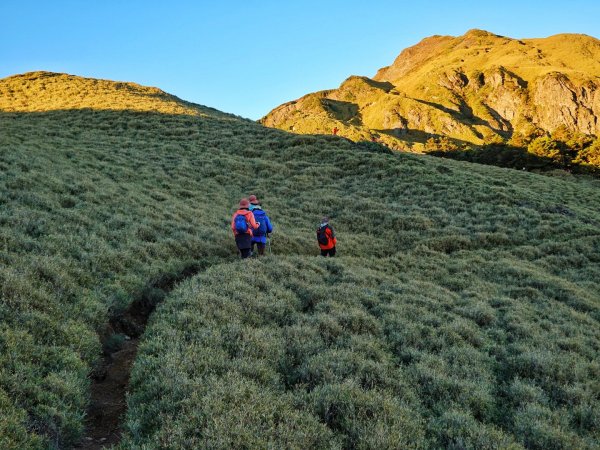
column 244, row 245
column 260, row 247
column 330, row 252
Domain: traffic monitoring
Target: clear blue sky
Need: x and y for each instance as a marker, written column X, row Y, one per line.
column 246, row 57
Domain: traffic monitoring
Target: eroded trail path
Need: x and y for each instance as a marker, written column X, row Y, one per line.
column 110, row 380
column 108, row 399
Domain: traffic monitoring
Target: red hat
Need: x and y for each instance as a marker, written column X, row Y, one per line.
column 253, row 199
column 244, row 203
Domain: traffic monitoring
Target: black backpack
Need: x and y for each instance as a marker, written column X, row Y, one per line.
column 322, row 235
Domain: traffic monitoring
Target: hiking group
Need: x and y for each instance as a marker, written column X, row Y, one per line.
column 251, row 227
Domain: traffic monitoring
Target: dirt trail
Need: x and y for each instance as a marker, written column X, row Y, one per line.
column 110, row 380
column 108, row 405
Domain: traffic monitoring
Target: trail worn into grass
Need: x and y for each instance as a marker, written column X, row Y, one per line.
column 110, row 380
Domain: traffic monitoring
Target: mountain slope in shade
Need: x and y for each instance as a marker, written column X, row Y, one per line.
column 474, row 89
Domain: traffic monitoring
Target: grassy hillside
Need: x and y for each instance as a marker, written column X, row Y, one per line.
column 420, row 350
column 48, row 91
column 464, row 307
column 462, row 93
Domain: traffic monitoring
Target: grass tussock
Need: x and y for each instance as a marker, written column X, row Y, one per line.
column 463, row 312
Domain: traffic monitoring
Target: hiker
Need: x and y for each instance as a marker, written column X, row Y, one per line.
column 262, row 232
column 242, row 225
column 335, row 131
column 326, row 238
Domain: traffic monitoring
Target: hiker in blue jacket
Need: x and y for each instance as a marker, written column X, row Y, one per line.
column 260, row 235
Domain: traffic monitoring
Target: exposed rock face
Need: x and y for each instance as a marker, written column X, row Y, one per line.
column 559, row 102
column 471, row 88
column 506, row 100
column 453, row 80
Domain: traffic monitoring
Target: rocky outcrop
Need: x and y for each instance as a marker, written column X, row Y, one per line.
column 455, row 80
column 558, row 101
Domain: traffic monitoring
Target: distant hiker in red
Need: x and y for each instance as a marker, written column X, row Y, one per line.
column 326, row 238
column 242, row 224
column 335, row 130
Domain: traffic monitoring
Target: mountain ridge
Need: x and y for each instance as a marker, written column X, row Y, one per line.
column 476, row 88
column 46, row 91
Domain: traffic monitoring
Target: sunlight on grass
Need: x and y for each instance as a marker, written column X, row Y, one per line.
column 463, row 310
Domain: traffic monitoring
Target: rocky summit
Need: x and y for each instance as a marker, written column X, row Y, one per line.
column 473, row 89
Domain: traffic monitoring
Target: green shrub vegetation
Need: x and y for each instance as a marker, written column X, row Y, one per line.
column 462, row 313
column 578, row 154
column 421, row 350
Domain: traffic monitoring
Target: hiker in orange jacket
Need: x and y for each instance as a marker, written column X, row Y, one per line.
column 326, row 238
column 242, row 224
